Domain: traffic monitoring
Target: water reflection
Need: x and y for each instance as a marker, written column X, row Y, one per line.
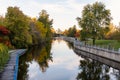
column 59, row 39
column 70, row 45
column 57, row 61
column 93, row 70
column 38, row 54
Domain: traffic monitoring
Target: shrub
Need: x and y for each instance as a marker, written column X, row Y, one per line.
column 4, row 56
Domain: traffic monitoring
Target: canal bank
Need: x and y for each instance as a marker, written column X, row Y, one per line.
column 11, row 69
column 98, row 51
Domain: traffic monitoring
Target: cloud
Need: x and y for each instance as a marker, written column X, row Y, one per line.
column 115, row 12
column 64, row 12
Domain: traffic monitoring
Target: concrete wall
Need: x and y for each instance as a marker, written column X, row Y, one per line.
column 106, row 61
column 110, row 54
column 102, row 53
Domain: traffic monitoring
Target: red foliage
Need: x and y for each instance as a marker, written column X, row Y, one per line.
column 4, row 31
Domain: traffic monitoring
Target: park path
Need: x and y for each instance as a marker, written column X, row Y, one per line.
column 11, row 68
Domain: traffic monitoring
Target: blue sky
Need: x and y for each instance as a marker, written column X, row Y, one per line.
column 64, row 12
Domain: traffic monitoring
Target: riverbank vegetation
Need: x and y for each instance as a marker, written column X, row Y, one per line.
column 4, row 42
column 17, row 30
column 25, row 31
column 72, row 32
column 4, row 56
column 109, row 38
column 94, row 21
column 95, row 27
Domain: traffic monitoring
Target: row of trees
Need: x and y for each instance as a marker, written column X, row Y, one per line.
column 114, row 32
column 72, row 32
column 94, row 24
column 25, row 31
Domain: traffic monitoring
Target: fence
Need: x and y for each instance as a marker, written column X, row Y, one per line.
column 106, row 52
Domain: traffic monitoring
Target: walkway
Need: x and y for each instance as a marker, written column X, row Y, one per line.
column 11, row 69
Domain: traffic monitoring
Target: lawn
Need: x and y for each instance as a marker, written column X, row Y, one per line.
column 112, row 43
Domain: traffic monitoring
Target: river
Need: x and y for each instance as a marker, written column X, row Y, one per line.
column 58, row 61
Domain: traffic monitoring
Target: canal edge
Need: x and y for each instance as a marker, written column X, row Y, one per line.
column 21, row 52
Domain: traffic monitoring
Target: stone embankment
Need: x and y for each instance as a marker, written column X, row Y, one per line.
column 102, row 52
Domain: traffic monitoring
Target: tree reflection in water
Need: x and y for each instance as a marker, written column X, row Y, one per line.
column 40, row 54
column 70, row 45
column 92, row 70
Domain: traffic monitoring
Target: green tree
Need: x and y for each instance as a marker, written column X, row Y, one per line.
column 44, row 18
column 38, row 31
column 18, row 24
column 72, row 31
column 43, row 30
column 93, row 18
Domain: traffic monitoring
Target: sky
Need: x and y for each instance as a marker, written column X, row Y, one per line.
column 63, row 12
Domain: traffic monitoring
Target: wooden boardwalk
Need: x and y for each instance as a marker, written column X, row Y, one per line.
column 11, row 68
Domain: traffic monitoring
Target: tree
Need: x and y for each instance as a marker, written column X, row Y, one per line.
column 44, row 19
column 72, row 31
column 77, row 34
column 103, row 32
column 4, row 31
column 113, row 30
column 65, row 32
column 54, row 34
column 18, row 25
column 41, row 29
column 4, row 36
column 93, row 18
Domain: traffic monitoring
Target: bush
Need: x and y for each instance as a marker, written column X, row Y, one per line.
column 4, row 56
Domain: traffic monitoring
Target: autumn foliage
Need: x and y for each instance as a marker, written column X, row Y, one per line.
column 4, row 31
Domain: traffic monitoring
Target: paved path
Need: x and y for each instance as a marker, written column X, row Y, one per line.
column 11, row 68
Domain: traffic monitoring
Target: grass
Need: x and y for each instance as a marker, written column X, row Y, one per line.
column 112, row 43
column 4, row 56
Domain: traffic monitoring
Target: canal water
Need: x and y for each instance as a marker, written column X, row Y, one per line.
column 57, row 61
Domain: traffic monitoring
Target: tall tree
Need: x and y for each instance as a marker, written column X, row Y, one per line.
column 47, row 22
column 18, row 25
column 93, row 18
